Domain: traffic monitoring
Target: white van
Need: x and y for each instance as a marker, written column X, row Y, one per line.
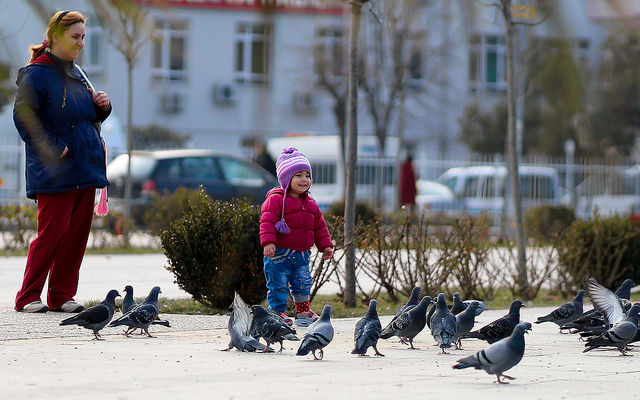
column 323, row 153
column 479, row 189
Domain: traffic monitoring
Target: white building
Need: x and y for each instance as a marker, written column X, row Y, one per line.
column 228, row 71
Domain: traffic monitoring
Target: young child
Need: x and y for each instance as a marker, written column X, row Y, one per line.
column 290, row 224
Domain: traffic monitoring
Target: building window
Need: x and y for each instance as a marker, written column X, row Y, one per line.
column 92, row 55
column 330, row 52
column 169, row 51
column 487, row 63
column 416, row 58
column 253, row 45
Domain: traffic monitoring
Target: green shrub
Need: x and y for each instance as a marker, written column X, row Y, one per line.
column 607, row 249
column 18, row 224
column 214, row 250
column 365, row 213
column 168, row 207
column 546, row 222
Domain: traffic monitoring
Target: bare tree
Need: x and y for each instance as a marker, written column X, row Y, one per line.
column 126, row 22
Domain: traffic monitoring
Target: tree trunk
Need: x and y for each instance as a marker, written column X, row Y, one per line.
column 349, row 296
column 128, row 188
column 521, row 262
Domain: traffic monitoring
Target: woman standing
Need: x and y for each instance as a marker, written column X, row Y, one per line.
column 56, row 115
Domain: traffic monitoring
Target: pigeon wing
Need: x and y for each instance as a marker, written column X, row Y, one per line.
column 605, row 301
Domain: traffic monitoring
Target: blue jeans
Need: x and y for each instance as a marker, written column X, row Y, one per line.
column 287, row 271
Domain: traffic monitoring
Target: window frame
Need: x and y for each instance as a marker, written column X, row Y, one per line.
column 487, row 56
column 165, row 33
column 248, row 41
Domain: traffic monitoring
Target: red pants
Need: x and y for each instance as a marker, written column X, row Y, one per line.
column 64, row 223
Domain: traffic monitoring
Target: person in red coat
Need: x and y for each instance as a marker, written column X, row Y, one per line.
column 290, row 224
column 407, row 184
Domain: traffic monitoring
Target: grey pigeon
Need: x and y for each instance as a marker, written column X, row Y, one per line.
column 500, row 328
column 443, row 324
column 142, row 316
column 566, row 313
column 464, row 322
column 128, row 303
column 412, row 301
column 367, row 331
column 481, row 306
column 239, row 327
column 500, row 356
column 458, row 306
column 319, row 335
column 408, row 324
column 621, row 328
column 271, row 327
column 97, row 316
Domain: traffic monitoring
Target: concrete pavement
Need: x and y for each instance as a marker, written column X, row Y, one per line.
column 40, row 359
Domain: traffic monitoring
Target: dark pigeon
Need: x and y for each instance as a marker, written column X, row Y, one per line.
column 412, row 301
column 566, row 313
column 96, row 317
column 500, row 356
column 368, row 331
column 408, row 324
column 500, row 328
column 624, row 290
column 443, row 324
column 319, row 335
column 464, row 322
column 141, row 316
column 271, row 327
column 239, row 327
column 128, row 303
column 458, row 306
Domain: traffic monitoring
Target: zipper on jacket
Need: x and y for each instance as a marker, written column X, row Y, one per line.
column 64, row 96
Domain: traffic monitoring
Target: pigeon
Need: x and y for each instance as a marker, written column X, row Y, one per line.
column 409, row 323
column 141, row 316
column 319, row 335
column 566, row 313
column 412, row 301
column 500, row 356
column 367, row 331
column 464, row 323
column 500, row 328
column 458, row 306
column 128, row 303
column 96, row 317
column 443, row 324
column 624, row 290
column 481, row 306
column 621, row 328
column 239, row 326
column 270, row 326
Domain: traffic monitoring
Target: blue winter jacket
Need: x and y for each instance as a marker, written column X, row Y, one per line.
column 53, row 109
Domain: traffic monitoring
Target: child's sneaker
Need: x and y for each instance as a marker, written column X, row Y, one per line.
column 286, row 318
column 306, row 319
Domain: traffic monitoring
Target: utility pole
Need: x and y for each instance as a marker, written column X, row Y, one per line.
column 349, row 296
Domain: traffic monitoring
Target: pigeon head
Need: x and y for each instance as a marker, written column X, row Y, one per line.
column 521, row 328
column 472, row 307
column 153, row 295
column 128, row 289
column 111, row 296
column 580, row 295
column 326, row 313
column 516, row 305
column 415, row 293
column 442, row 300
column 373, row 312
column 456, row 295
column 258, row 311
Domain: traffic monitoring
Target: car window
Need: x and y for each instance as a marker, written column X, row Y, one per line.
column 203, row 168
column 239, row 174
column 450, row 183
column 471, row 187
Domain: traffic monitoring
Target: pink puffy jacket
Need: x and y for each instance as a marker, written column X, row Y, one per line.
column 303, row 218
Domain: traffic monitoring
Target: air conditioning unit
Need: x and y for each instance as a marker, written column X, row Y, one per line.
column 172, row 103
column 224, row 94
column 304, row 102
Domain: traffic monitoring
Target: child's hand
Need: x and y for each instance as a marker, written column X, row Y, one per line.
column 328, row 253
column 269, row 250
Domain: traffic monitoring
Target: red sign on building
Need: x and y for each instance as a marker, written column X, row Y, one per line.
column 332, row 7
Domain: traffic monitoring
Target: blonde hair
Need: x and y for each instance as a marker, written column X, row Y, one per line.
column 59, row 22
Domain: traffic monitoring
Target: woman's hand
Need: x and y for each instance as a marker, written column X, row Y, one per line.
column 101, row 100
column 327, row 253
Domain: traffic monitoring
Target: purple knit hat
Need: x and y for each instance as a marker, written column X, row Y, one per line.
column 290, row 162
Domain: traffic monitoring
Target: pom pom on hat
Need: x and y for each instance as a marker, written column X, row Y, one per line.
column 290, row 162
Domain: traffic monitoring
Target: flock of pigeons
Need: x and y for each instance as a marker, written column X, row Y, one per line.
column 613, row 322
column 134, row 316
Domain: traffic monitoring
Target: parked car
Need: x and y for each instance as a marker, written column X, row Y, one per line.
column 433, row 197
column 224, row 176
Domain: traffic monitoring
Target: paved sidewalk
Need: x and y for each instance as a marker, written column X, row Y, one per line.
column 40, row 359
